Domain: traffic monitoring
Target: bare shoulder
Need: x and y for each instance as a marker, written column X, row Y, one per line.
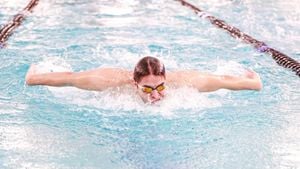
column 102, row 78
column 182, row 77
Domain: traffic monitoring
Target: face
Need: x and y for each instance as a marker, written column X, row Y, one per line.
column 151, row 88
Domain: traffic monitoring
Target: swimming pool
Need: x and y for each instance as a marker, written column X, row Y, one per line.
column 43, row 127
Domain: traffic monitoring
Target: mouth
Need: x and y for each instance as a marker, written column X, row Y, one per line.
column 154, row 101
column 150, row 100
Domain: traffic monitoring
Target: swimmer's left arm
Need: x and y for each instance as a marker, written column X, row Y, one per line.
column 208, row 82
column 251, row 81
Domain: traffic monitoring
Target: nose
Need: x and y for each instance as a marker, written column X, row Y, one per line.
column 155, row 95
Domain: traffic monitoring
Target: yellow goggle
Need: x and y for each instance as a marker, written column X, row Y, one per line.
column 149, row 89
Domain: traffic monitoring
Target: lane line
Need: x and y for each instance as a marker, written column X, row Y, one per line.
column 7, row 30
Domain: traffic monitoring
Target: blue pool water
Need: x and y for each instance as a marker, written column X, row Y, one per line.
column 66, row 128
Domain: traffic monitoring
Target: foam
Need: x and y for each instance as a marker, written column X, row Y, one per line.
column 230, row 68
column 53, row 64
column 125, row 99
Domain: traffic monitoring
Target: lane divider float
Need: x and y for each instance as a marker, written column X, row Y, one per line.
column 7, row 30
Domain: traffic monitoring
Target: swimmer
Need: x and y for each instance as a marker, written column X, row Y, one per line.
column 149, row 78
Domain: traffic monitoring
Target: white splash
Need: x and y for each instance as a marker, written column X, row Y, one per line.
column 230, row 68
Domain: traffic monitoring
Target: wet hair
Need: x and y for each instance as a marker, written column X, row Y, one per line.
column 148, row 66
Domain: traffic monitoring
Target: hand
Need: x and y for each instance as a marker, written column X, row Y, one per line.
column 30, row 73
column 254, row 77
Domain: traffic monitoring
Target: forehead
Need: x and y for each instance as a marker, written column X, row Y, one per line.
column 152, row 80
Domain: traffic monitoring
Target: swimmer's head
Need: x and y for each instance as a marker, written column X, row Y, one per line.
column 150, row 76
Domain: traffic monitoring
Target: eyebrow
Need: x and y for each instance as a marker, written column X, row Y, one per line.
column 154, row 87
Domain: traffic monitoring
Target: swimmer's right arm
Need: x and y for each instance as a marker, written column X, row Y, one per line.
column 97, row 79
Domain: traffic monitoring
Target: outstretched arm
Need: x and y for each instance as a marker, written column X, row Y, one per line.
column 97, row 79
column 208, row 82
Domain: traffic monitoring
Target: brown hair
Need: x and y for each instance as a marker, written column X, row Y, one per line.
column 148, row 66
